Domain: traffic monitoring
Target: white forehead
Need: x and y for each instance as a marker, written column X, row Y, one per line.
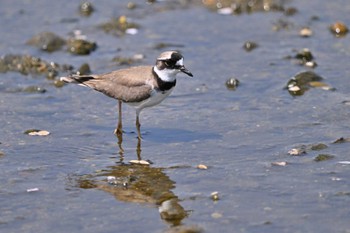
column 166, row 55
column 180, row 62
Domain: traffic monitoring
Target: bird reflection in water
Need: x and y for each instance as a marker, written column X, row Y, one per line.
column 119, row 135
column 139, row 184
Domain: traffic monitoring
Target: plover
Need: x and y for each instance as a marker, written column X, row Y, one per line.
column 140, row 86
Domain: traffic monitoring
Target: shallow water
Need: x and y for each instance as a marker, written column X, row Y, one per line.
column 237, row 134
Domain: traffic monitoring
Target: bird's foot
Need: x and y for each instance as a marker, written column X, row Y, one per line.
column 118, row 132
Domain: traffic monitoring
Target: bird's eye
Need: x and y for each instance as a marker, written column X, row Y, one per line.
column 170, row 64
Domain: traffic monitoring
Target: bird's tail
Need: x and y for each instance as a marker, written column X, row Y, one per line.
column 77, row 79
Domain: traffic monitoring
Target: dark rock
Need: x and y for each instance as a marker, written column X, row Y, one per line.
column 86, row 8
column 232, row 84
column 250, row 45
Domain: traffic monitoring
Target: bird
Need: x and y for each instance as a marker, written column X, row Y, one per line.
column 139, row 86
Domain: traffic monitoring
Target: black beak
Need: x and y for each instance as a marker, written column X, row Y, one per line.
column 186, row 71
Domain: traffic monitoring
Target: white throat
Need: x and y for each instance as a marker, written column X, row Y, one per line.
column 166, row 75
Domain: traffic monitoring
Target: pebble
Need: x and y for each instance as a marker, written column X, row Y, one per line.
column 232, row 84
column 250, row 45
column 339, row 29
column 215, row 196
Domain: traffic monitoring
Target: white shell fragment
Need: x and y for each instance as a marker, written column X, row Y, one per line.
column 132, row 31
column 282, row 163
column 344, row 162
column 39, row 133
column 225, row 11
column 142, row 162
column 202, row 167
column 111, row 180
column 305, row 32
column 32, row 190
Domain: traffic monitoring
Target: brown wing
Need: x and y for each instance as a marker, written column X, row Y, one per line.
column 129, row 85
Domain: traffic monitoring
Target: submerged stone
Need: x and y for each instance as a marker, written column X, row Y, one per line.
column 84, row 69
column 319, row 146
column 342, row 140
column 245, row 6
column 303, row 81
column 118, row 26
column 34, row 89
column 323, row 157
column 163, row 45
column 128, row 60
column 47, row 41
column 80, row 46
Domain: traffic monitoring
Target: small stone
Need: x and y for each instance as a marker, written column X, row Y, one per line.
column 339, row 29
column 80, row 47
column 232, row 84
column 58, row 83
column 305, row 32
column 250, row 45
column 202, row 167
column 86, row 8
column 215, row 196
column 296, row 151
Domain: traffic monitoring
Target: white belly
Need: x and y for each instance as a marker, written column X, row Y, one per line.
column 156, row 98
